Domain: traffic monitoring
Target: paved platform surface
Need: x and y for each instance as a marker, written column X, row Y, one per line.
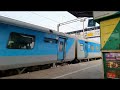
column 83, row 70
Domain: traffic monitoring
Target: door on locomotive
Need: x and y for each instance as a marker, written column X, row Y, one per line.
column 86, row 49
column 61, row 49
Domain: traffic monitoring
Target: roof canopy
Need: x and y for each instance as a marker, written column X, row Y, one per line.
column 82, row 13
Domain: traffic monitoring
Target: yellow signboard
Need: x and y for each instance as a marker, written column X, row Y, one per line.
column 90, row 34
column 93, row 33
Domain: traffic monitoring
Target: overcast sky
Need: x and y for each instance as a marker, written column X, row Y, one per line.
column 48, row 19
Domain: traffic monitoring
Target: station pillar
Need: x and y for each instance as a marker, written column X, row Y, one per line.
column 110, row 42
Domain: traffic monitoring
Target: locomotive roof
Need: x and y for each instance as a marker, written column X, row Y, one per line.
column 11, row 21
column 87, row 40
column 93, row 41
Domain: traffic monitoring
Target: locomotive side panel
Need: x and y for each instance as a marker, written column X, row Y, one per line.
column 80, row 49
column 43, row 51
column 93, row 50
column 70, row 49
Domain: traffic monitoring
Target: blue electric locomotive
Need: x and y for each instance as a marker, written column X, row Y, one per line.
column 23, row 44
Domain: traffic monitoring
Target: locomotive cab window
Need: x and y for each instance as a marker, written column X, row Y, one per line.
column 20, row 41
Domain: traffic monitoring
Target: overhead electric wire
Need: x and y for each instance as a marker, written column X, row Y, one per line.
column 51, row 19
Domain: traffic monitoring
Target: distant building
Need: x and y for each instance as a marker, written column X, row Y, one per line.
column 89, row 32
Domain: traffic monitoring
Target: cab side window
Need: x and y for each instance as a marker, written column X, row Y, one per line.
column 20, row 41
column 61, row 46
